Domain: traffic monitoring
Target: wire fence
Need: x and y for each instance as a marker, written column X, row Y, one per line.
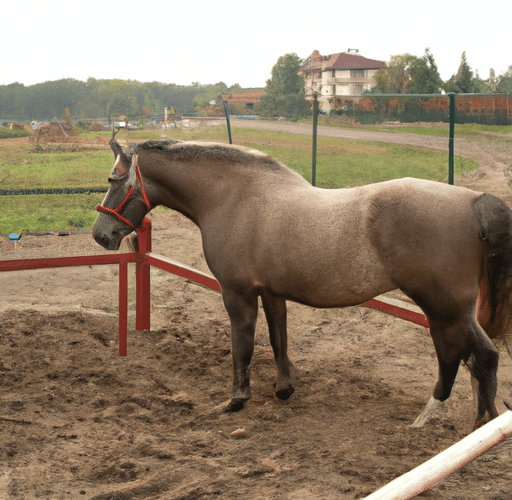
column 486, row 109
column 37, row 191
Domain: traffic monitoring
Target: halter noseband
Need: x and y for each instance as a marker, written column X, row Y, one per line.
column 115, row 211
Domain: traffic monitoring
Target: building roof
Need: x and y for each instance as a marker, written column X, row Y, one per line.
column 243, row 97
column 341, row 60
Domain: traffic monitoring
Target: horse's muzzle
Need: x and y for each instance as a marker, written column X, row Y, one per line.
column 107, row 237
column 108, row 242
column 109, row 232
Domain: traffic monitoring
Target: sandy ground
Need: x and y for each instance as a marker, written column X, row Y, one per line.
column 78, row 421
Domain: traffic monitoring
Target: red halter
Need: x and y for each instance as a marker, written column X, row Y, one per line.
column 115, row 211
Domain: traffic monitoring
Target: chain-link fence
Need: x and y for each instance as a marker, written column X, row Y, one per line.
column 488, row 109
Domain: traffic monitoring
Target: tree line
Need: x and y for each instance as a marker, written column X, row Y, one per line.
column 100, row 99
column 284, row 91
column 408, row 74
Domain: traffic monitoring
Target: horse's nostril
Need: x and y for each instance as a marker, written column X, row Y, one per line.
column 102, row 240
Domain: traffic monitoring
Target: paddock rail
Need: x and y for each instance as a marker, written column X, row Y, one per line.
column 144, row 258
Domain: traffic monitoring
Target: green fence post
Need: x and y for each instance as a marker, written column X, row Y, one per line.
column 315, row 127
column 228, row 121
column 451, row 96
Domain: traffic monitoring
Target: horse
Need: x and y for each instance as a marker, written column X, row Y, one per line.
column 268, row 233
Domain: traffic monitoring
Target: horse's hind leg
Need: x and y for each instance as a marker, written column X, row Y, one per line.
column 275, row 312
column 450, row 345
column 243, row 311
column 463, row 340
column 480, row 411
column 483, row 364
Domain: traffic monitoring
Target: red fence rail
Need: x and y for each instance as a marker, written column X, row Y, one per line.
column 145, row 258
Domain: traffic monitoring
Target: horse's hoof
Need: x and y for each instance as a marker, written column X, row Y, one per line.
column 236, row 404
column 284, row 394
column 481, row 422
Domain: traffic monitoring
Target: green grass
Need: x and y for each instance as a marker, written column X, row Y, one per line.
column 340, row 163
column 7, row 133
column 55, row 170
column 434, row 129
column 442, row 130
column 21, row 214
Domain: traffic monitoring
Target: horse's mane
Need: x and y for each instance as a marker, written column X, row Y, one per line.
column 192, row 151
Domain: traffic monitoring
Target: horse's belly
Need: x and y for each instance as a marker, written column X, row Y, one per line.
column 348, row 282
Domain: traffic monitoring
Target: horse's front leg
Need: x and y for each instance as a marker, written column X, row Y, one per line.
column 275, row 312
column 242, row 309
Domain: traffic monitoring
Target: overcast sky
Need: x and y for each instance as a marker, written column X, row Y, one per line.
column 205, row 41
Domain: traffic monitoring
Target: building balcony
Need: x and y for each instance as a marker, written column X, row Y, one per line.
column 348, row 81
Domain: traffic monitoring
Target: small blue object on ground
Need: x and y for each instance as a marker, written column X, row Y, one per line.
column 15, row 237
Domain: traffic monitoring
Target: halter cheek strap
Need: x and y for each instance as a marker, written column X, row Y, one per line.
column 115, row 211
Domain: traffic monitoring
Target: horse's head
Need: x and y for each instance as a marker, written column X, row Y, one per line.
column 125, row 204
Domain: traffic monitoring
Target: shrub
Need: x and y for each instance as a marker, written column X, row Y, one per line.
column 7, row 133
column 97, row 127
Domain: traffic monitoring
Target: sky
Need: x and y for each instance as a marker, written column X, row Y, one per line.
column 206, row 41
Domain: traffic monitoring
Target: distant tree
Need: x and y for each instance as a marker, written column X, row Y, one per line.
column 408, row 74
column 285, row 79
column 117, row 97
column 208, row 92
column 424, row 76
column 463, row 82
column 235, row 88
column 66, row 118
column 284, row 92
column 492, row 82
column 394, row 78
column 504, row 84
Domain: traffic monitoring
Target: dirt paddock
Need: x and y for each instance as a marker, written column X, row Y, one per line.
column 79, row 422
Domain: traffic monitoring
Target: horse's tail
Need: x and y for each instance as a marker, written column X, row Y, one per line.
column 495, row 312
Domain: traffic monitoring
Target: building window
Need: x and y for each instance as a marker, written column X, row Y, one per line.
column 357, row 89
column 333, row 73
column 357, row 73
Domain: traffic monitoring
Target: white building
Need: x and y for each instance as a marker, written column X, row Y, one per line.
column 338, row 79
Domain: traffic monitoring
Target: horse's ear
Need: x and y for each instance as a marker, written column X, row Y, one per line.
column 122, row 164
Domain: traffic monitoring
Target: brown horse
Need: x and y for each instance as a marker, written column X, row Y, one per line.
column 268, row 233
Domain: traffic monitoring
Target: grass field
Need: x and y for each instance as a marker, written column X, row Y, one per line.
column 340, row 163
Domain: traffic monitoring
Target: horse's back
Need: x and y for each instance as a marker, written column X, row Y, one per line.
column 337, row 247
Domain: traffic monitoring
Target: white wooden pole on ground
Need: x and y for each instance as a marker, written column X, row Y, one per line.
column 447, row 462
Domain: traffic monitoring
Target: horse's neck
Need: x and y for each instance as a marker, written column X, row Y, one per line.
column 188, row 188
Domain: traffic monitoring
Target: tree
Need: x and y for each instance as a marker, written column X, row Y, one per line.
column 424, row 76
column 117, row 97
column 408, row 74
column 394, row 78
column 504, row 84
column 208, row 92
column 463, row 82
column 284, row 92
column 492, row 82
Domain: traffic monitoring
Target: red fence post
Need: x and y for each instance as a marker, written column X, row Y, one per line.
column 142, row 279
